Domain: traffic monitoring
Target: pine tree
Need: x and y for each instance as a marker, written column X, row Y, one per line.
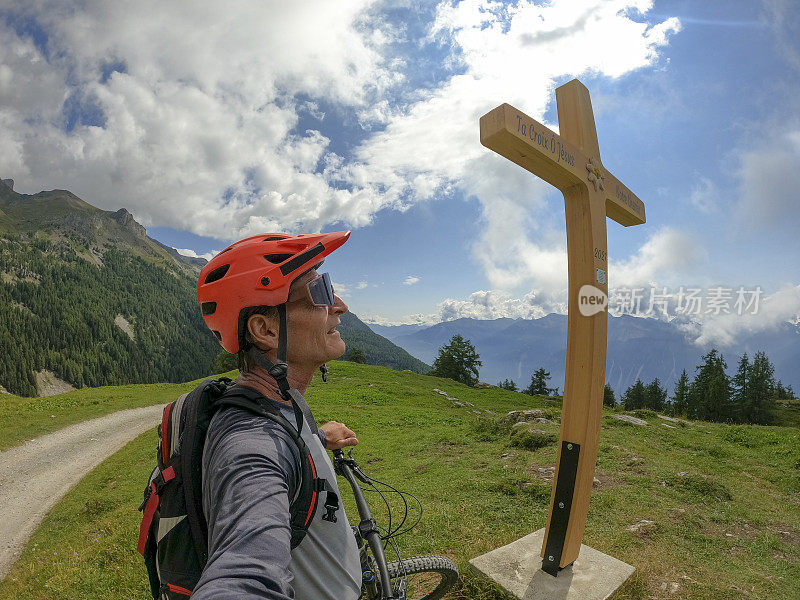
column 356, row 355
column 538, row 386
column 680, row 399
column 609, row 399
column 655, row 395
column 760, row 405
column 225, row 361
column 508, row 384
column 783, row 393
column 710, row 392
column 457, row 360
column 635, row 396
column 741, row 389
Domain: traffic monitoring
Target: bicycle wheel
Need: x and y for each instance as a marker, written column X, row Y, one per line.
column 429, row 577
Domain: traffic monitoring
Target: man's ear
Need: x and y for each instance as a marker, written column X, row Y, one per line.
column 263, row 331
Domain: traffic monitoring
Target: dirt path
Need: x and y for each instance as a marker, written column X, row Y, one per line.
column 36, row 475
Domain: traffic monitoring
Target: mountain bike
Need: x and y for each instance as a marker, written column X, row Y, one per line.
column 417, row 578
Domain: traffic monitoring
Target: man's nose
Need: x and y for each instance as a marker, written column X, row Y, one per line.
column 339, row 307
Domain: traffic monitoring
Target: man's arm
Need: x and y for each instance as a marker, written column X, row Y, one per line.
column 248, row 463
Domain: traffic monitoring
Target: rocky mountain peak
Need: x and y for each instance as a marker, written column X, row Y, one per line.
column 9, row 183
column 124, row 218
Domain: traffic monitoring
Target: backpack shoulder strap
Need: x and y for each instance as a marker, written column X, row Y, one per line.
column 303, row 507
column 253, row 401
column 198, row 409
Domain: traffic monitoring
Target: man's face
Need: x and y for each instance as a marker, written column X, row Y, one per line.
column 313, row 339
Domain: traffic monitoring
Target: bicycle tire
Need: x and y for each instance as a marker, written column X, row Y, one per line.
column 443, row 567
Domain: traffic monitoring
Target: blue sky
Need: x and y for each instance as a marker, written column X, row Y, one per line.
column 364, row 115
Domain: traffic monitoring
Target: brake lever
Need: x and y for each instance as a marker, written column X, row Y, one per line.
column 339, row 460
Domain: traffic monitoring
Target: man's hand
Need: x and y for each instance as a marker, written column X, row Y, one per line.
column 338, row 435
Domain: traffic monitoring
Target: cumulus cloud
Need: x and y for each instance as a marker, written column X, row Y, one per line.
column 488, row 304
column 193, row 254
column 341, row 289
column 482, row 304
column 669, row 257
column 201, row 131
column 219, row 132
column 774, row 310
column 410, row 280
column 431, row 145
column 193, row 131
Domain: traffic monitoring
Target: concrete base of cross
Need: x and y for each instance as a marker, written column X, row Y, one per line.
column 517, row 568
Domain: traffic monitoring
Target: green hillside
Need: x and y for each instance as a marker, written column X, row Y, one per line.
column 86, row 295
column 377, row 349
column 60, row 312
column 724, row 500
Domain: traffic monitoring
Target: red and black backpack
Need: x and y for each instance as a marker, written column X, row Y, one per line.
column 173, row 536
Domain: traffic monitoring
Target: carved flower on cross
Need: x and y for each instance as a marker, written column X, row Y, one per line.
column 595, row 175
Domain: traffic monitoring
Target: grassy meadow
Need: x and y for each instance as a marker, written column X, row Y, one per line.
column 724, row 500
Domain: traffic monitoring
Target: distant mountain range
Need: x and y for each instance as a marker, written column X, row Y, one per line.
column 637, row 348
column 87, row 298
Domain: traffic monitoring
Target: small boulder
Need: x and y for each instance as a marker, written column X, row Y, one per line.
column 516, row 416
column 630, row 419
column 642, row 527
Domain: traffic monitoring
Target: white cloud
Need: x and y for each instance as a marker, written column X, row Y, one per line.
column 773, row 311
column 482, row 304
column 669, row 257
column 410, row 280
column 200, row 130
column 193, row 254
column 487, row 304
column 769, row 175
column 341, row 289
column 361, row 285
column 414, row 319
column 432, row 144
column 195, row 117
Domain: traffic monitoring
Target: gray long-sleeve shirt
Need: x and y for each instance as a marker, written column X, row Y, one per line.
column 250, row 468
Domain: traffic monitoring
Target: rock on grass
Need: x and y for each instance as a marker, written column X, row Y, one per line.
column 630, row 419
column 530, row 438
column 518, row 416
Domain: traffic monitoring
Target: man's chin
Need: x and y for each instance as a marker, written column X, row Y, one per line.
column 337, row 349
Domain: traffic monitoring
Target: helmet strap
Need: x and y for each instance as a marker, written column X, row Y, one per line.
column 278, row 370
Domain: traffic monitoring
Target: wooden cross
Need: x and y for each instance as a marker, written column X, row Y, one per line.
column 571, row 162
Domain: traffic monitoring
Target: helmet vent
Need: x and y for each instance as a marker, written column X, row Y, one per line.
column 302, row 259
column 277, row 258
column 208, row 308
column 217, row 274
column 273, row 239
column 219, row 336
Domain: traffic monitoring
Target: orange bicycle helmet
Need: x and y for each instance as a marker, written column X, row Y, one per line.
column 257, row 271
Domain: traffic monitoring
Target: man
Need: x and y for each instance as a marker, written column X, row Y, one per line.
column 264, row 300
